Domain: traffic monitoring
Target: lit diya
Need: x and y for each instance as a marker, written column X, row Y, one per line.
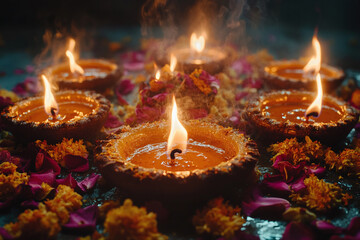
column 194, row 161
column 197, row 56
column 295, row 74
column 277, row 115
column 66, row 114
column 84, row 74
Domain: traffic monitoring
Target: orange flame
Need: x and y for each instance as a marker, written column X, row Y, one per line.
column 197, row 43
column 315, row 107
column 173, row 62
column 157, row 75
column 50, row 104
column 315, row 62
column 74, row 67
column 178, row 135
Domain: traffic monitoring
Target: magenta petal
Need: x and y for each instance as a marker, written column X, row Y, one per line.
column 48, row 163
column 315, row 169
column 274, row 185
column 38, row 178
column 354, row 227
column 298, row 184
column 241, row 235
column 327, row 227
column 198, row 113
column 4, row 234
column 112, row 121
column 29, row 204
column 263, row 207
column 68, row 181
column 138, row 66
column 76, row 163
column 298, row 231
column 88, row 182
column 4, row 102
column 83, row 220
column 124, row 87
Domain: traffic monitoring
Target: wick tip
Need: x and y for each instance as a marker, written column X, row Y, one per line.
column 312, row 114
column 172, row 154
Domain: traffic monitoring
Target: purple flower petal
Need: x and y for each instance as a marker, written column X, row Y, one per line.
column 68, row 181
column 83, row 220
column 124, row 87
column 29, row 204
column 298, row 184
column 298, row 231
column 112, row 121
column 76, row 163
column 286, row 169
column 4, row 234
column 275, row 185
column 88, row 182
column 264, row 207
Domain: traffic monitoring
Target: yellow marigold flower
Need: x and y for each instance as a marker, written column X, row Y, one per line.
column 10, row 179
column 298, row 151
column 65, row 201
column 60, row 150
column 320, row 195
column 45, row 190
column 129, row 222
column 35, row 224
column 298, row 214
column 200, row 84
column 10, row 94
column 219, row 219
column 348, row 161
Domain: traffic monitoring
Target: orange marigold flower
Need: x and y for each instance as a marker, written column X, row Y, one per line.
column 200, row 84
column 130, row 222
column 348, row 161
column 219, row 219
column 320, row 195
column 298, row 151
column 35, row 224
column 60, row 150
column 106, row 207
column 65, row 201
column 10, row 179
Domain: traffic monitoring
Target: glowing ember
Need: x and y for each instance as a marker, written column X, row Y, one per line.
column 178, row 135
column 50, row 104
column 314, row 65
column 74, row 67
column 197, row 43
column 173, row 62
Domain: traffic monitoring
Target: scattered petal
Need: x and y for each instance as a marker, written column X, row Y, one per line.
column 113, row 121
column 76, row 163
column 89, row 182
column 326, row 227
column 124, row 87
column 298, row 231
column 82, row 220
column 68, row 181
column 29, row 204
column 44, row 163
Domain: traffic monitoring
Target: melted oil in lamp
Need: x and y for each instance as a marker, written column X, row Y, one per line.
column 286, row 114
column 52, row 117
column 198, row 55
column 195, row 160
column 295, row 74
column 88, row 74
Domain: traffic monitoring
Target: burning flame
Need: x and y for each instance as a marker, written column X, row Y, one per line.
column 173, row 62
column 315, row 62
column 74, row 67
column 315, row 107
column 157, row 75
column 197, row 43
column 178, row 135
column 315, row 65
column 50, row 104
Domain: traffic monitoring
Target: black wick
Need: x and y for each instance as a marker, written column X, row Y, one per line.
column 312, row 114
column 172, row 154
column 53, row 112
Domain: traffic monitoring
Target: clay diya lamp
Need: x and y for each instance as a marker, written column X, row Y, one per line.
column 278, row 115
column 295, row 74
column 68, row 114
column 195, row 161
column 85, row 74
column 211, row 59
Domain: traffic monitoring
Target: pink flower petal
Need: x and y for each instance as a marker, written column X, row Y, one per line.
column 89, row 182
column 4, row 234
column 326, row 227
column 76, row 163
column 198, row 113
column 275, row 185
column 5, row 102
column 124, row 87
column 112, row 121
column 30, row 68
column 29, row 204
column 82, row 220
column 44, row 163
column 354, row 227
column 68, row 181
column 298, row 231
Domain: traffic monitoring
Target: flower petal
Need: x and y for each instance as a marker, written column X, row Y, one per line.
column 124, row 87
column 112, row 121
column 83, row 220
column 29, row 204
column 68, row 181
column 88, row 182
column 4, row 234
column 274, row 185
column 76, row 163
column 354, row 227
column 298, row 231
column 326, row 227
column 44, row 163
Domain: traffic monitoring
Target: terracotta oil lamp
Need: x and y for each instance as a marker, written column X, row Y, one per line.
column 211, row 59
column 84, row 74
column 286, row 114
column 295, row 74
column 194, row 161
column 67, row 114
